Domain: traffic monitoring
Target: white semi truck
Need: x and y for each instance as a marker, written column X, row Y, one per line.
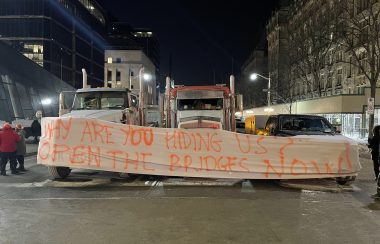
column 117, row 105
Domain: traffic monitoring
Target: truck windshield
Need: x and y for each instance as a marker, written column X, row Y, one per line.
column 200, row 104
column 100, row 100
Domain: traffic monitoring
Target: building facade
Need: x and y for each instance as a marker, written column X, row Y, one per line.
column 122, row 69
column 257, row 62
column 278, row 60
column 127, row 52
column 326, row 62
column 24, row 89
column 62, row 36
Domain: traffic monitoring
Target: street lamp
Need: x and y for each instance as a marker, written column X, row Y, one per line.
column 142, row 77
column 254, row 77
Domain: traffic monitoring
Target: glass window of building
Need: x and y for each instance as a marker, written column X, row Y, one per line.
column 339, row 77
column 34, row 51
column 118, row 75
column 109, row 75
column 109, row 60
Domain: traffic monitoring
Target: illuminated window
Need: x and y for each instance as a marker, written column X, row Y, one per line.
column 34, row 52
column 109, row 60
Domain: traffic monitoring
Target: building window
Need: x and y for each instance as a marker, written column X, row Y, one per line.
column 361, row 66
column 118, row 75
column 118, row 60
column 329, row 80
column 109, row 75
column 339, row 77
column 34, row 52
column 339, row 56
column 322, row 82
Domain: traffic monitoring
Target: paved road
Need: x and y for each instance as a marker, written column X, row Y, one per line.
column 91, row 208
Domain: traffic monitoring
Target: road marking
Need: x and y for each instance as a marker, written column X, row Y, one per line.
column 25, row 185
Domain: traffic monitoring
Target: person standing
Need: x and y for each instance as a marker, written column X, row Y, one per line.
column 36, row 126
column 21, row 147
column 373, row 144
column 8, row 147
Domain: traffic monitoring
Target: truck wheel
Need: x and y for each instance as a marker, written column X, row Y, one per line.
column 59, row 172
column 345, row 180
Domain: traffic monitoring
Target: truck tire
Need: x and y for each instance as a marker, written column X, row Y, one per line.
column 345, row 180
column 59, row 172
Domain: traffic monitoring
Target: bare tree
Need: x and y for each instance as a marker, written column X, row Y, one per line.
column 359, row 32
column 312, row 49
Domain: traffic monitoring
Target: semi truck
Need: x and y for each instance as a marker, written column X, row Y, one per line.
column 118, row 105
column 209, row 106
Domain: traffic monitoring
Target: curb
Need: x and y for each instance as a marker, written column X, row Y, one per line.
column 139, row 183
column 322, row 185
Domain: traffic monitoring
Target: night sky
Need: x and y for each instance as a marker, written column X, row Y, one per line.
column 206, row 39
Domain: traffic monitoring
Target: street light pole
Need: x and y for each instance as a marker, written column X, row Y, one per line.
column 254, row 77
column 141, row 95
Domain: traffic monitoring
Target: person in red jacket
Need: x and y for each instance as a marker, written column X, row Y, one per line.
column 8, row 148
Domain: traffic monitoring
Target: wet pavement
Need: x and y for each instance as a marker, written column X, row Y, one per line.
column 104, row 208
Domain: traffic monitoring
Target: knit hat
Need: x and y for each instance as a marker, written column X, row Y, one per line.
column 7, row 126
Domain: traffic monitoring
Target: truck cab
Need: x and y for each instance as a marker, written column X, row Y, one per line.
column 103, row 103
column 191, row 107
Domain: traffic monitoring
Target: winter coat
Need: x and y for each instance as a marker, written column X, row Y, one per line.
column 374, row 145
column 8, row 140
column 36, row 128
column 21, row 147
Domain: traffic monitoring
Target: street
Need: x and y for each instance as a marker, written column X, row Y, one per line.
column 103, row 208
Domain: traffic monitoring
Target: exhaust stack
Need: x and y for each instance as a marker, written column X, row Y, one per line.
column 84, row 78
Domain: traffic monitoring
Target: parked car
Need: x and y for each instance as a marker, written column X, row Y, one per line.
column 301, row 124
column 298, row 124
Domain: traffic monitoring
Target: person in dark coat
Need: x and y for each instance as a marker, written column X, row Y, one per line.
column 36, row 126
column 8, row 147
column 373, row 144
column 21, row 147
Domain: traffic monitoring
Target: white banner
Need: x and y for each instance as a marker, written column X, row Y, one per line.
column 100, row 145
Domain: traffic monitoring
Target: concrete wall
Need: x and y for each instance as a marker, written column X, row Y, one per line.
column 326, row 105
